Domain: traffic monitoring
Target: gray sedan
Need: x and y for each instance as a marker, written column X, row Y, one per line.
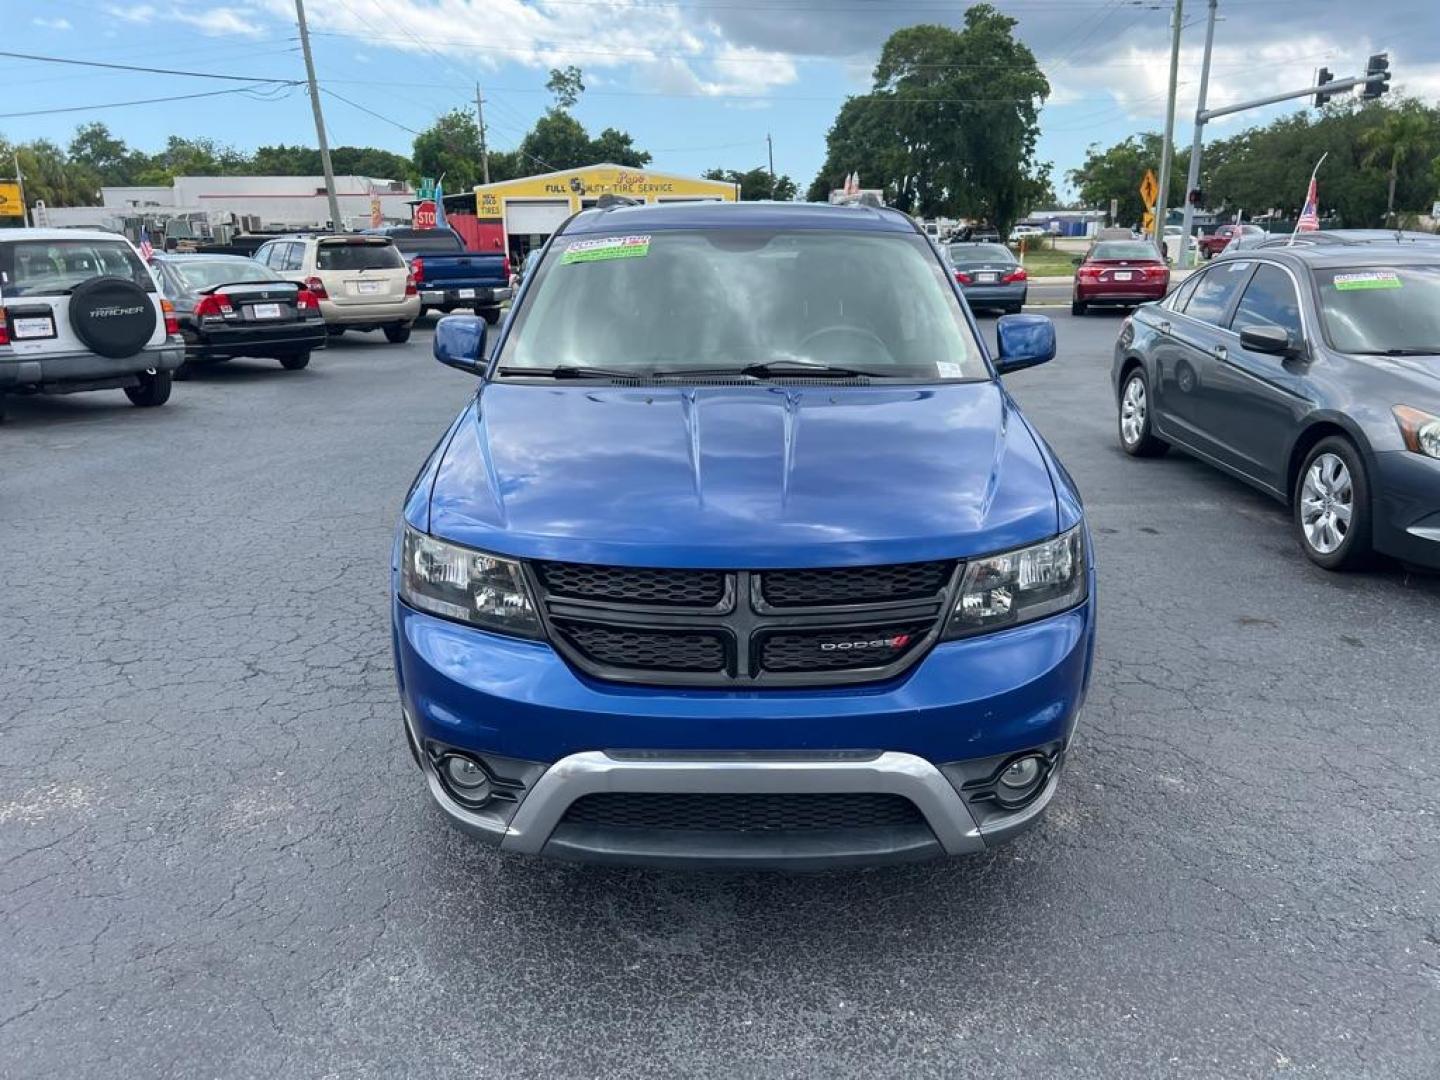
column 1312, row 373
column 989, row 275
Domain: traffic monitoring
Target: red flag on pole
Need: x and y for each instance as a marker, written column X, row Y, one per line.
column 1310, row 214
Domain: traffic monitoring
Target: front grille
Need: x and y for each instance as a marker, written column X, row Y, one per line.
column 854, row 584
column 741, row 627
column 646, row 650
column 742, row 813
column 839, row 650
column 633, row 585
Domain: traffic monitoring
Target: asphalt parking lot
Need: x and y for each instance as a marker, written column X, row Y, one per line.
column 216, row 859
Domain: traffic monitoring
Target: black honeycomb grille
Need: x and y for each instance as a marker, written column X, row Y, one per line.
column 646, row 650
column 854, row 584
column 742, row 813
column 839, row 650
column 633, row 585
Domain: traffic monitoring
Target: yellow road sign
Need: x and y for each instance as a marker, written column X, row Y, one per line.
column 1148, row 225
column 1149, row 188
column 11, row 204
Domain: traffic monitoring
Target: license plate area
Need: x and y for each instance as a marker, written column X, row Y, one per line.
column 1121, row 275
column 987, row 277
column 465, row 294
column 266, row 311
column 31, row 327
column 369, row 288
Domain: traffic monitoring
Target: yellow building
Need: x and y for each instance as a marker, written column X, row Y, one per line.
column 522, row 213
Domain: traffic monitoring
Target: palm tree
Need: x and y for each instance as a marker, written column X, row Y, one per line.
column 1404, row 131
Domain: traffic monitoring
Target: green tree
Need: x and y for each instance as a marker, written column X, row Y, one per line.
column 755, row 184
column 617, row 148
column 450, row 147
column 1116, row 173
column 557, row 141
column 50, row 176
column 115, row 164
column 951, row 123
column 1402, row 134
column 567, row 85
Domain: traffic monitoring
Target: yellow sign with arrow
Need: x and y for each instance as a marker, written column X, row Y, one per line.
column 1149, row 188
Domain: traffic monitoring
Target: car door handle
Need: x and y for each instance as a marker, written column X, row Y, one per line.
column 1164, row 328
column 1220, row 352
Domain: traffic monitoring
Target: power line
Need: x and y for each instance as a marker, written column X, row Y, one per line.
column 251, row 90
column 372, row 112
column 145, row 70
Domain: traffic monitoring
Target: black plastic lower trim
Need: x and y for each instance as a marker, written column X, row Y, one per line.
column 703, row 850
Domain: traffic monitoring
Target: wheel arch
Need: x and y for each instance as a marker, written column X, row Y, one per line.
column 1318, row 428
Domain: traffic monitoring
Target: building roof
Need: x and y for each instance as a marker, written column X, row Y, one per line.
column 738, row 215
column 609, row 166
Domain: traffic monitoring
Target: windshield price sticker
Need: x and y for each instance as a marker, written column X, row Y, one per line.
column 1372, row 280
column 610, row 247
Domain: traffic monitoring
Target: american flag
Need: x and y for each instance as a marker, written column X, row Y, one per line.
column 147, row 249
column 1310, row 214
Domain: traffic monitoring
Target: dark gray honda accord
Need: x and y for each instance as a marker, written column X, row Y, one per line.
column 1310, row 372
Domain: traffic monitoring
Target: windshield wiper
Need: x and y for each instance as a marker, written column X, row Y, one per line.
column 572, row 371
column 1430, row 350
column 776, row 369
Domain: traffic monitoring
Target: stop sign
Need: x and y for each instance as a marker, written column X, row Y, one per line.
column 425, row 215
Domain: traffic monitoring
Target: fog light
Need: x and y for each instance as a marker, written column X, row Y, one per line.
column 1022, row 772
column 467, row 779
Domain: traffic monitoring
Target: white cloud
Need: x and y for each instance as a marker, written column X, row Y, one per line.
column 136, row 13
column 217, row 22
column 53, row 24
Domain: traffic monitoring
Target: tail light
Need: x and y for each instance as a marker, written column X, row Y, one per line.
column 505, row 267
column 167, row 309
column 417, row 269
column 963, row 278
column 410, row 289
column 1018, row 274
column 1088, row 272
column 317, row 288
column 1156, row 273
column 5, row 327
column 305, row 301
column 214, row 306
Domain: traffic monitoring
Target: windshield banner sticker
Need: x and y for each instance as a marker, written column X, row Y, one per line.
column 1373, row 280
column 611, row 247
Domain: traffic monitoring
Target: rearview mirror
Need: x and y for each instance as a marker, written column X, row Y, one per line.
column 460, row 343
column 1023, row 341
column 1268, row 339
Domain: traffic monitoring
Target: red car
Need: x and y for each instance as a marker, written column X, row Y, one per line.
column 1120, row 273
column 1214, row 244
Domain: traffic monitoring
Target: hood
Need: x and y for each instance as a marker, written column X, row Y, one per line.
column 753, row 476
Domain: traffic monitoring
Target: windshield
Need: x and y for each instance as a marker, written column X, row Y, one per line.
column 1374, row 309
column 1124, row 249
column 50, row 267
column 197, row 274
column 364, row 255
column 969, row 253
column 732, row 298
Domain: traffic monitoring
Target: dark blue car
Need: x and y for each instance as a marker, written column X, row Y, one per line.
column 741, row 554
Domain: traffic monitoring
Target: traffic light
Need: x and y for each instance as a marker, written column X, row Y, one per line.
column 1377, row 76
column 1196, row 197
column 1324, row 77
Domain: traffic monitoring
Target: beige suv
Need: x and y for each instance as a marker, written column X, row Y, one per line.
column 361, row 282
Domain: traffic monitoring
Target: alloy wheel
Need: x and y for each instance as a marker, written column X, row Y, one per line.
column 1132, row 411
column 1327, row 503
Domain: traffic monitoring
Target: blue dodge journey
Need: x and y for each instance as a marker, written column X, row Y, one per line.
column 741, row 554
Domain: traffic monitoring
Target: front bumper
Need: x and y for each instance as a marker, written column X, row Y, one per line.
column 1407, row 507
column 81, row 366
column 478, row 297
column 964, row 709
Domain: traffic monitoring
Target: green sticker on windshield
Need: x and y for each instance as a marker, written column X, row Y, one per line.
column 611, row 247
column 1373, row 280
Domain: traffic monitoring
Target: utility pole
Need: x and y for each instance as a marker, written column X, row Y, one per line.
column 335, row 222
column 1192, row 179
column 480, row 118
column 20, row 183
column 770, row 151
column 1163, row 198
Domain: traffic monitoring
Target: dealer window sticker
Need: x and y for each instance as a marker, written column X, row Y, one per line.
column 1373, row 279
column 609, row 247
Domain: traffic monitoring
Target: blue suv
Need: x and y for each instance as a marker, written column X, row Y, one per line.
column 741, row 555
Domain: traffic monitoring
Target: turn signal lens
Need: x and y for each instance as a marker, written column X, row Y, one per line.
column 467, row 585
column 172, row 326
column 1021, row 586
column 1420, row 430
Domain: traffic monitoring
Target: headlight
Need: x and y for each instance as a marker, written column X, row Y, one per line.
column 1420, row 430
column 471, row 586
column 1021, row 586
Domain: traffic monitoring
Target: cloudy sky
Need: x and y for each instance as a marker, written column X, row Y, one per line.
column 698, row 82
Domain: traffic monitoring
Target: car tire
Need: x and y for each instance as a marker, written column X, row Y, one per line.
column 397, row 335
column 185, row 371
column 153, row 390
column 1013, row 309
column 1137, row 436
column 1077, row 307
column 334, row 331
column 1333, row 482
column 491, row 315
column 295, row 361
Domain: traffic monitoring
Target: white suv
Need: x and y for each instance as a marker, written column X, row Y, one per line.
column 362, row 282
column 79, row 310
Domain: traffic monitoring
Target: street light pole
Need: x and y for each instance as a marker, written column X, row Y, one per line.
column 770, row 150
column 1163, row 198
column 480, row 117
column 335, row 222
column 1192, row 179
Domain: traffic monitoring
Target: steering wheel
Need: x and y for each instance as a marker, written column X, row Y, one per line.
column 859, row 333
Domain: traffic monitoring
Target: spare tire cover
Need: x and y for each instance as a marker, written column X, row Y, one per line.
column 112, row 316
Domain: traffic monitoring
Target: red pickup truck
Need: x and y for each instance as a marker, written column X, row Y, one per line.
column 1216, row 242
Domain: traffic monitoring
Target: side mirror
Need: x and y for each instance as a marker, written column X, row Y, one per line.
column 1268, row 339
column 1024, row 341
column 460, row 343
